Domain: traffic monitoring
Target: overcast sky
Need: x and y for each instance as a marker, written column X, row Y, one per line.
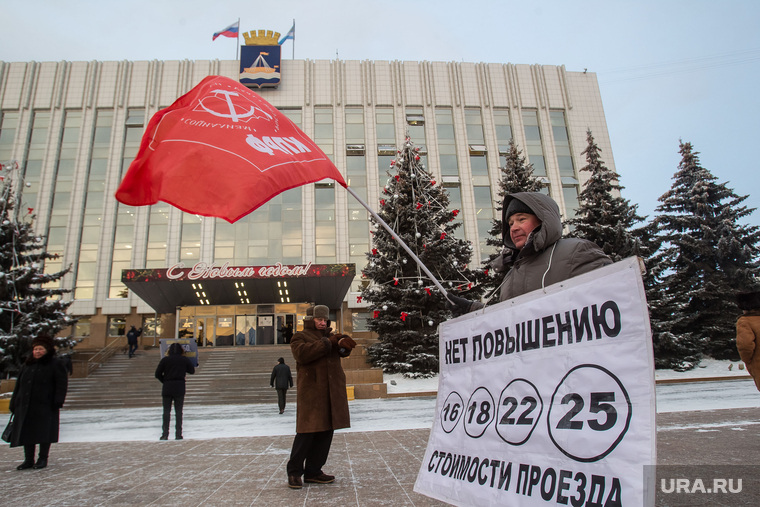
column 667, row 69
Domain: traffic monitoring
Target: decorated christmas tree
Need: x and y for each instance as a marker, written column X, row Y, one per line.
column 517, row 176
column 405, row 304
column 27, row 307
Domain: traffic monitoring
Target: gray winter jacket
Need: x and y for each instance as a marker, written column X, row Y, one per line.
column 546, row 258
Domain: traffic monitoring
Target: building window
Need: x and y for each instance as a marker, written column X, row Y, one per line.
column 447, row 150
column 158, row 230
column 562, row 144
column 323, row 130
column 474, row 123
column 503, row 133
column 359, row 321
column 190, row 238
column 484, row 213
column 152, row 326
column 570, row 194
column 117, row 326
column 82, row 328
column 533, row 145
column 354, row 125
column 8, row 126
column 385, row 126
column 415, row 126
column 92, row 218
column 324, row 222
column 271, row 233
column 60, row 214
column 455, row 202
column 32, row 168
column 295, row 115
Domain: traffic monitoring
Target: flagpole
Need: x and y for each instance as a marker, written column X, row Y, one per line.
column 400, row 241
column 293, row 57
column 237, row 44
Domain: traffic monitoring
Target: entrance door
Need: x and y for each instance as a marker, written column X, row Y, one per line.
column 205, row 331
column 245, row 330
column 265, row 330
column 286, row 325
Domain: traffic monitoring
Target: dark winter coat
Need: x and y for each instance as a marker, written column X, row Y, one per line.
column 171, row 372
column 132, row 335
column 546, row 258
column 37, row 398
column 281, row 377
column 747, row 336
column 322, row 403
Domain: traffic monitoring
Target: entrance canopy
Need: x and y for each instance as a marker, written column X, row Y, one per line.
column 205, row 284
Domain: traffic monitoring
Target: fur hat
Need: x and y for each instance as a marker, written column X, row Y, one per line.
column 321, row 312
column 748, row 300
column 517, row 206
column 45, row 341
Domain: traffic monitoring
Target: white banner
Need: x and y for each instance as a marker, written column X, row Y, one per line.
column 547, row 399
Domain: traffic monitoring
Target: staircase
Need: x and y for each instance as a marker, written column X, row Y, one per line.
column 225, row 376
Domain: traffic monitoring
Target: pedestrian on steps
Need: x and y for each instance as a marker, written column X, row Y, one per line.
column 132, row 336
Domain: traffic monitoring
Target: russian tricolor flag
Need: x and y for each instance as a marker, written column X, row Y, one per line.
column 230, row 31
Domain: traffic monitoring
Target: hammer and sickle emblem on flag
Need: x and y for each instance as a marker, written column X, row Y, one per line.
column 234, row 115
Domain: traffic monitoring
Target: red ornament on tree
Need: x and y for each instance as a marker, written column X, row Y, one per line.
column 375, row 314
column 429, row 293
column 419, row 205
column 443, row 235
column 382, row 202
column 403, row 316
column 374, row 251
column 395, row 281
column 358, row 299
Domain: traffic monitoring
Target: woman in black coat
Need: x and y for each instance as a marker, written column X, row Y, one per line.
column 37, row 398
column 171, row 372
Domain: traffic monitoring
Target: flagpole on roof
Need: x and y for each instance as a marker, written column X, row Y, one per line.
column 400, row 241
column 237, row 45
column 293, row 57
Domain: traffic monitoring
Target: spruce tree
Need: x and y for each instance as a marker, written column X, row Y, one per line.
column 27, row 307
column 516, row 176
column 706, row 257
column 603, row 216
column 406, row 306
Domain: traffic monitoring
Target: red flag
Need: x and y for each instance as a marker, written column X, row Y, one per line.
column 222, row 151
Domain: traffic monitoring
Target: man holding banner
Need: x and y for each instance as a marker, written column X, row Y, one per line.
column 536, row 254
column 547, row 398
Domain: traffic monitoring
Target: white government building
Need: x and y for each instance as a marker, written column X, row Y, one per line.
column 74, row 127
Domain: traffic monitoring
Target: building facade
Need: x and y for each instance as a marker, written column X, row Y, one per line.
column 72, row 128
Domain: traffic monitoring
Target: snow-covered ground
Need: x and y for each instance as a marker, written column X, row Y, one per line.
column 410, row 412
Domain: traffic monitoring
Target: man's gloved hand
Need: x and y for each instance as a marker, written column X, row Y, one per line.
column 459, row 306
column 347, row 342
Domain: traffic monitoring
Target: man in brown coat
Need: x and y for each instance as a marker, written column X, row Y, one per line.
column 748, row 333
column 321, row 401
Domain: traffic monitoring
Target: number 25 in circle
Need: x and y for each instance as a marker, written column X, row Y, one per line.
column 589, row 414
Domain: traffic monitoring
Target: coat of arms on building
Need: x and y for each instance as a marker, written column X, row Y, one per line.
column 260, row 59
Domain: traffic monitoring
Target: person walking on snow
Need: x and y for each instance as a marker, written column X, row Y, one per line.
column 281, row 380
